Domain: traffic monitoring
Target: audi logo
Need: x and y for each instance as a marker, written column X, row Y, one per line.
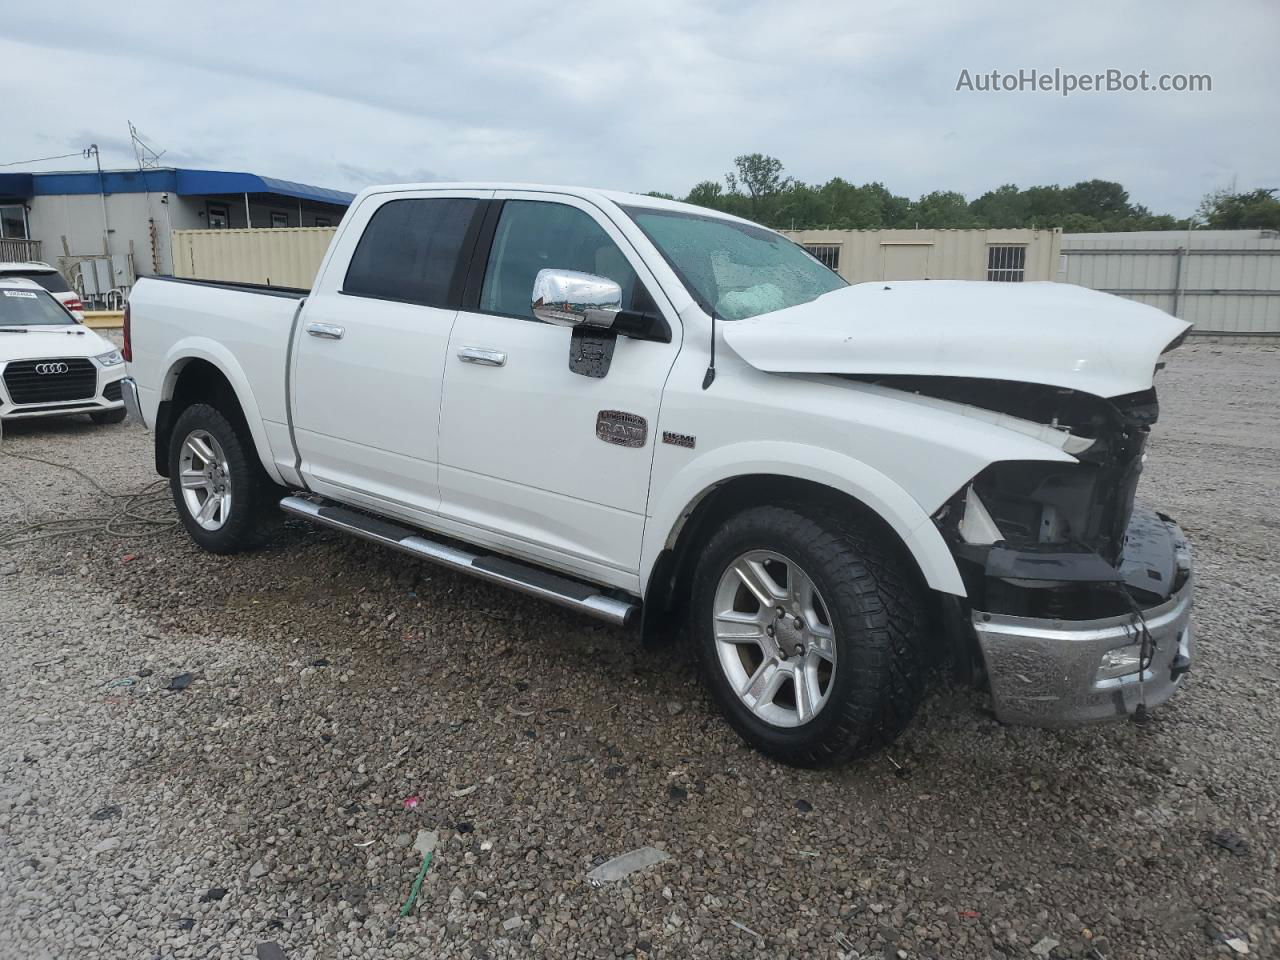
column 46, row 368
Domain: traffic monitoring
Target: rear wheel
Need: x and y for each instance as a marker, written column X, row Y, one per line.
column 224, row 497
column 811, row 634
column 104, row 417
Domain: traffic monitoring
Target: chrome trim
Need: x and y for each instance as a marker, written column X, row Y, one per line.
column 569, row 298
column 326, row 331
column 1044, row 673
column 483, row 356
column 609, row 609
column 132, row 402
column 289, row 355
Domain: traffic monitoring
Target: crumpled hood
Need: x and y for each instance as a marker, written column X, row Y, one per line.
column 1057, row 334
column 41, row 342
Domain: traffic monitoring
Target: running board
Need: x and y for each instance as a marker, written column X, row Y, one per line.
column 510, row 573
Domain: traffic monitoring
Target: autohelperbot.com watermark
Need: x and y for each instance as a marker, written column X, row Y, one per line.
column 1066, row 82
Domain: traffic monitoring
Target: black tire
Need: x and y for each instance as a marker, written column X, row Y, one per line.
column 254, row 497
column 877, row 611
column 109, row 416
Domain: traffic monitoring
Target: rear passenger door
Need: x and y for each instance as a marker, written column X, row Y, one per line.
column 369, row 353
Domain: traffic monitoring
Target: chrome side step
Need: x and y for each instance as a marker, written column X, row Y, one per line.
column 510, row 573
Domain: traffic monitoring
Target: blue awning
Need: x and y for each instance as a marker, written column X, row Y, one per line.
column 203, row 182
column 15, row 186
column 183, row 182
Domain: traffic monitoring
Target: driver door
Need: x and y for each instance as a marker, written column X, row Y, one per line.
column 526, row 453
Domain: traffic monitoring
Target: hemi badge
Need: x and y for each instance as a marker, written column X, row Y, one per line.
column 679, row 439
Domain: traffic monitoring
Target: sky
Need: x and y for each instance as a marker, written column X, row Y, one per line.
column 650, row 96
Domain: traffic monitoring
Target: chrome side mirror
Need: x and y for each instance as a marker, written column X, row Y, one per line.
column 568, row 298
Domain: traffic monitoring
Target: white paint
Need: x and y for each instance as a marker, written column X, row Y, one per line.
column 1049, row 333
column 507, row 458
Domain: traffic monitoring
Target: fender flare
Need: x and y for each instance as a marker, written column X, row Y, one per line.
column 214, row 353
column 801, row 462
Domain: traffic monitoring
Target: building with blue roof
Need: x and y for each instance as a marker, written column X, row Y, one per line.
column 128, row 216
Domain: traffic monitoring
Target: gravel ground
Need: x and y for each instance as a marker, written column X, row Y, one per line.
column 265, row 803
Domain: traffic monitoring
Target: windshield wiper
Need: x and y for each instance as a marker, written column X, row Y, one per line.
column 14, row 330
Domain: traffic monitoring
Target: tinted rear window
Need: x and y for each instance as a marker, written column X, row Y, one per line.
column 51, row 280
column 410, row 251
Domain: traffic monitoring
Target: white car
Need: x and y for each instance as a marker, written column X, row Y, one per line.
column 49, row 278
column 627, row 405
column 51, row 365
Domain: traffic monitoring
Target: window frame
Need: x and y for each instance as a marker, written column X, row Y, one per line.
column 1011, row 274
column 479, row 266
column 462, row 260
column 282, row 215
column 26, row 223
column 832, row 248
column 225, row 213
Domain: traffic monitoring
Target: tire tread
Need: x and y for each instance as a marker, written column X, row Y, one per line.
column 254, row 495
column 876, row 598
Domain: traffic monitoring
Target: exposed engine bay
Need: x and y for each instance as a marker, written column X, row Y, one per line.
column 1060, row 540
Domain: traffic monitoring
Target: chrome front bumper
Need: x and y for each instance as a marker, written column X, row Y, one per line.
column 1061, row 673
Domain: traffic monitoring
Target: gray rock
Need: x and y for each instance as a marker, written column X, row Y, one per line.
column 626, row 864
column 1044, row 947
column 107, row 844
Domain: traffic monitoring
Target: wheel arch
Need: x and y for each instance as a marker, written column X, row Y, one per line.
column 206, row 372
column 689, row 512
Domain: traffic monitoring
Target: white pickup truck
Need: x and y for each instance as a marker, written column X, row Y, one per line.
column 627, row 406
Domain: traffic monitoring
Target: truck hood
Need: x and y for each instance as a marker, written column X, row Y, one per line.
column 40, row 342
column 1056, row 334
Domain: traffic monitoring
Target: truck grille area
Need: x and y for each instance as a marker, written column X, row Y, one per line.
column 50, row 381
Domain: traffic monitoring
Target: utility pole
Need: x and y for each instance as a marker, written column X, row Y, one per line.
column 92, row 151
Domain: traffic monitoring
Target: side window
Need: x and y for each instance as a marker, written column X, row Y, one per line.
column 409, row 251
column 532, row 236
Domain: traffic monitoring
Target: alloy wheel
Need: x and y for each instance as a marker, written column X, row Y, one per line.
column 205, row 477
column 774, row 638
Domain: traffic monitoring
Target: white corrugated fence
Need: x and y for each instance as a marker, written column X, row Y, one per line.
column 1223, row 281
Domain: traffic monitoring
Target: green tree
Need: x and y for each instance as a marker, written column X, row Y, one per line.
column 943, row 209
column 761, row 177
column 759, row 189
column 1254, row 209
column 1101, row 199
column 1003, row 207
column 708, row 193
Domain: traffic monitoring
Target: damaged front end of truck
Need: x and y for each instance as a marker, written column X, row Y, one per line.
column 1079, row 598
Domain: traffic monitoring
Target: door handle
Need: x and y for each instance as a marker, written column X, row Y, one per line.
column 326, row 331
column 483, row 356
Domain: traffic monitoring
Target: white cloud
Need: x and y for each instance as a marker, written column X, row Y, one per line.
column 652, row 97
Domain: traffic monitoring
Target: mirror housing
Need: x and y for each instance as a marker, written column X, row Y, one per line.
column 569, row 298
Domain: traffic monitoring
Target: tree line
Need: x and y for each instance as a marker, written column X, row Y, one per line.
column 758, row 188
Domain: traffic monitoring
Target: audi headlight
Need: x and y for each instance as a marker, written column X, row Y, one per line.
column 110, row 359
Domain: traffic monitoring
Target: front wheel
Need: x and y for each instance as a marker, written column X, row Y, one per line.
column 224, row 497
column 810, row 632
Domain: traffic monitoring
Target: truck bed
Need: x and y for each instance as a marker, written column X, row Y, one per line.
column 271, row 290
column 243, row 330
